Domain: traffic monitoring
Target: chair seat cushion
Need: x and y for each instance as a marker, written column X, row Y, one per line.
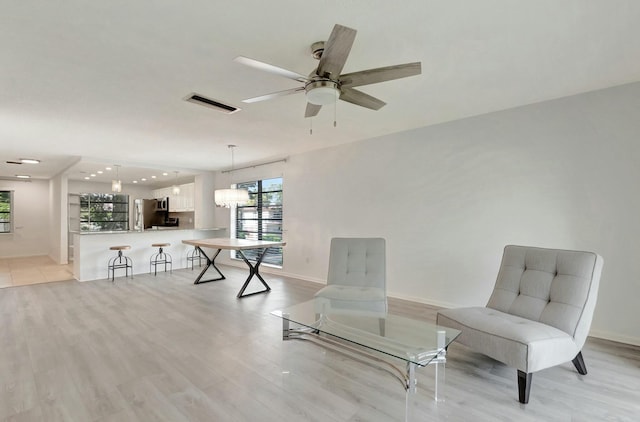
column 518, row 342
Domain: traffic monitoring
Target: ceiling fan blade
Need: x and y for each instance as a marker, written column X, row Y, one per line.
column 270, row 68
column 273, row 95
column 336, row 51
column 312, row 110
column 356, row 97
column 380, row 74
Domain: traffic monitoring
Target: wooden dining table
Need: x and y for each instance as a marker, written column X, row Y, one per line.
column 239, row 245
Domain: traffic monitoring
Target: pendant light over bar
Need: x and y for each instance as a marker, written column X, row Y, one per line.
column 175, row 189
column 116, row 184
column 231, row 197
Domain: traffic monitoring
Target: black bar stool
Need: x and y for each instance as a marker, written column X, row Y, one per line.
column 194, row 255
column 160, row 258
column 119, row 261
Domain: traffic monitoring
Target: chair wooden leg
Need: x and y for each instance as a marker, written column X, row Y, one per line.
column 524, row 386
column 578, row 362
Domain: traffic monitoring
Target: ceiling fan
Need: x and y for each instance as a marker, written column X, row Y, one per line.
column 326, row 84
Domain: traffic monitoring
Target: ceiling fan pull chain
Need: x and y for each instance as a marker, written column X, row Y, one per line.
column 335, row 112
column 310, row 125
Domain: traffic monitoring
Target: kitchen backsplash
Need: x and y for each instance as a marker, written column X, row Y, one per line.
column 186, row 219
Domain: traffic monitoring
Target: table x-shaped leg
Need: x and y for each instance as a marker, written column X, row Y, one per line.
column 254, row 270
column 210, row 263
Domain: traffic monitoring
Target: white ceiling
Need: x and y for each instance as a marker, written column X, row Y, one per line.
column 80, row 80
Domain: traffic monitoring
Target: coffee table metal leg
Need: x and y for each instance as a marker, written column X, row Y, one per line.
column 254, row 270
column 210, row 263
column 440, row 362
column 285, row 326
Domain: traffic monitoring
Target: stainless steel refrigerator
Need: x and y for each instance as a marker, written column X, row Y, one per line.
column 147, row 215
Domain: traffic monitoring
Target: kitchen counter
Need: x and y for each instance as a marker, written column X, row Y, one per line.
column 91, row 249
column 84, row 233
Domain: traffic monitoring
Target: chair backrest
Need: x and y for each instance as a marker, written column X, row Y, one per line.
column 555, row 287
column 357, row 262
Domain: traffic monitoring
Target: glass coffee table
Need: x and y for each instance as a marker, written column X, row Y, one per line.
column 394, row 343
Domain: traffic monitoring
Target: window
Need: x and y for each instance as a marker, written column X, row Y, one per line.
column 261, row 218
column 104, row 212
column 6, row 211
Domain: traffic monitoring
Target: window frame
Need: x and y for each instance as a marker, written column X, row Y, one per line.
column 275, row 256
column 87, row 210
column 10, row 212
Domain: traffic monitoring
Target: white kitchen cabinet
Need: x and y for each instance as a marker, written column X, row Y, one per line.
column 184, row 201
column 161, row 193
column 176, row 202
column 187, row 192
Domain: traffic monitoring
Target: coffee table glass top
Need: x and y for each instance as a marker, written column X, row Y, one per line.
column 414, row 341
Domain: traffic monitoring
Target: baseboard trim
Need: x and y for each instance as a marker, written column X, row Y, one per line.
column 265, row 269
column 275, row 271
column 619, row 338
column 424, row 301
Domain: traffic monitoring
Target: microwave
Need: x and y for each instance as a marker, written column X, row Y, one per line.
column 162, row 204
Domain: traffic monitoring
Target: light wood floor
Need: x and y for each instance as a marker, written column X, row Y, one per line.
column 162, row 349
column 32, row 270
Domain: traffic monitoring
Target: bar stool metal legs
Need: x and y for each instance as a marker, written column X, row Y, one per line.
column 160, row 258
column 194, row 255
column 119, row 261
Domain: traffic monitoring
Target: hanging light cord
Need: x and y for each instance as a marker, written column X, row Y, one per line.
column 232, row 160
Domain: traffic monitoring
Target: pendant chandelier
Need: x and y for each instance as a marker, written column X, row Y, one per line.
column 231, row 197
column 175, row 189
column 116, row 184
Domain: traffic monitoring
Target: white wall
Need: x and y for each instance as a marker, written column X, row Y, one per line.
column 58, row 217
column 31, row 219
column 204, row 186
column 448, row 198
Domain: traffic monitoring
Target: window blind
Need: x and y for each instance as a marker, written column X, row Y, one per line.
column 261, row 217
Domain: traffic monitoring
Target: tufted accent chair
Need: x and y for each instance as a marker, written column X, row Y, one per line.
column 356, row 280
column 539, row 313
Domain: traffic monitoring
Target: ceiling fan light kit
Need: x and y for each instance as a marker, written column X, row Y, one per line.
column 322, row 92
column 326, row 83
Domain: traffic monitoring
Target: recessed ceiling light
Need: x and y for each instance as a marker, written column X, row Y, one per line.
column 165, row 174
column 135, row 181
column 86, row 178
column 107, row 168
column 29, row 161
column 153, row 177
column 93, row 175
column 100, row 172
column 143, row 179
column 23, row 176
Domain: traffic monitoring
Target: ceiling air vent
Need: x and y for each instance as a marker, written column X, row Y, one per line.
column 208, row 102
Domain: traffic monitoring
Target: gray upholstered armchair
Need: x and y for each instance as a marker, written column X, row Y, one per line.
column 356, row 281
column 539, row 313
